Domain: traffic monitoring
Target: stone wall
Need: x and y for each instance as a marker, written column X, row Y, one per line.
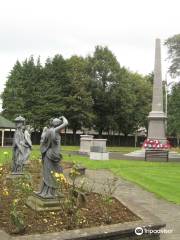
column 121, row 231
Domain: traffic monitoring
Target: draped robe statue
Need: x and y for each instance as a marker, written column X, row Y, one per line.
column 51, row 157
column 18, row 147
column 28, row 144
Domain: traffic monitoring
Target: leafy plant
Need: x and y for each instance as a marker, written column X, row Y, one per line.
column 108, row 191
column 71, row 198
column 17, row 217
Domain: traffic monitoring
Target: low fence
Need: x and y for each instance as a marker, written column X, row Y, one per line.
column 112, row 140
column 70, row 139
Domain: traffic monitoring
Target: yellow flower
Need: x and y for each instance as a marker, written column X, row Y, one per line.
column 15, row 201
column 61, row 175
column 5, row 192
column 74, row 173
column 56, row 174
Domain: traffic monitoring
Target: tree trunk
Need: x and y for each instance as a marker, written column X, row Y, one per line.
column 74, row 136
column 178, row 141
column 65, row 136
column 100, row 133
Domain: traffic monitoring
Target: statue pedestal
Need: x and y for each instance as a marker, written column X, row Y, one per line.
column 38, row 203
column 98, row 150
column 85, row 144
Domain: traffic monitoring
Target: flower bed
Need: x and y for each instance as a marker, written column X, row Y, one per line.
column 17, row 218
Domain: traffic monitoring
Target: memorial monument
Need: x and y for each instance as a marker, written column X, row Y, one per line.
column 157, row 117
column 156, row 145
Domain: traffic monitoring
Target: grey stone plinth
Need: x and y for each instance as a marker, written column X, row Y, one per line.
column 85, row 144
column 42, row 204
column 156, row 128
column 100, row 143
column 99, row 155
column 99, row 149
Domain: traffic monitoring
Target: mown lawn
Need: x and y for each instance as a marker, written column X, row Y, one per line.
column 6, row 152
column 163, row 179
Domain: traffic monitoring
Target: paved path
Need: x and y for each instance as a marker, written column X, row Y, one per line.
column 168, row 212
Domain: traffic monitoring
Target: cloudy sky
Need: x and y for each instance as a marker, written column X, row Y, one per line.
column 67, row 27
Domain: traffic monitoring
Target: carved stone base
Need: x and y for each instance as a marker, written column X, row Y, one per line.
column 38, row 203
column 99, row 155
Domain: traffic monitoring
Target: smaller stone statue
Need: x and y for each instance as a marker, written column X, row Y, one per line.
column 28, row 143
column 18, row 146
column 43, row 134
column 51, row 157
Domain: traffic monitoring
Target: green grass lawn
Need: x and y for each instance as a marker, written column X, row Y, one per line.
column 163, row 179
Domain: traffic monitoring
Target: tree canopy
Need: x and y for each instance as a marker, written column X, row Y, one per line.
column 173, row 45
column 174, row 111
column 94, row 92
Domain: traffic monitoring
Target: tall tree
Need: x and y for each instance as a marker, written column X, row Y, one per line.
column 22, row 92
column 54, row 87
column 12, row 97
column 174, row 112
column 132, row 102
column 173, row 45
column 78, row 101
column 103, row 69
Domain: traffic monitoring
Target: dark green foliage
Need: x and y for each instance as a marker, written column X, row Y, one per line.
column 173, row 45
column 104, row 70
column 174, row 111
column 93, row 92
column 78, row 100
column 13, row 93
column 133, row 101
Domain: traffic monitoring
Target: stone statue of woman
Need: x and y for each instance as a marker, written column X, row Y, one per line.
column 28, row 143
column 18, row 146
column 51, row 157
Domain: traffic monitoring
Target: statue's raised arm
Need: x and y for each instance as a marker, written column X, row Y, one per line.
column 63, row 124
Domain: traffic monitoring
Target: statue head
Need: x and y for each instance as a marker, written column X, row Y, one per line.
column 19, row 121
column 56, row 122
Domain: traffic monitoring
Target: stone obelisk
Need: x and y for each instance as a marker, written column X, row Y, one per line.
column 157, row 117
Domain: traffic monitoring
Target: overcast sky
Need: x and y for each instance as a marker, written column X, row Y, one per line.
column 67, row 27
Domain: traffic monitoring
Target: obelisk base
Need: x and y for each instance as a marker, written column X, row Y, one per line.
column 156, row 129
